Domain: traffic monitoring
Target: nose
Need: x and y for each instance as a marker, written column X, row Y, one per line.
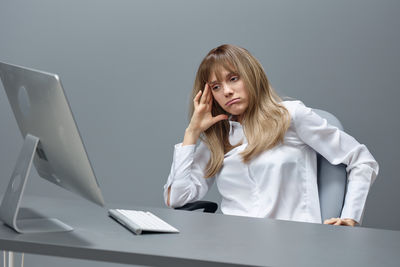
column 227, row 90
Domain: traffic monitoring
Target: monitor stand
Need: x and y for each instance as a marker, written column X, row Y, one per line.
column 12, row 199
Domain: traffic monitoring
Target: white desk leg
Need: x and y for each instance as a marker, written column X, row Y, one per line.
column 10, row 259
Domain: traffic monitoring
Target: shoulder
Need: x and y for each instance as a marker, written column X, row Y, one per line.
column 296, row 108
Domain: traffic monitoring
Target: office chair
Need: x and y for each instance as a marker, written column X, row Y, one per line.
column 331, row 179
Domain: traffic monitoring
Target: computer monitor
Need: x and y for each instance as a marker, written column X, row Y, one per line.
column 52, row 142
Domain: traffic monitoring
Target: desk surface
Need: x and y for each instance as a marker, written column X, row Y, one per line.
column 204, row 240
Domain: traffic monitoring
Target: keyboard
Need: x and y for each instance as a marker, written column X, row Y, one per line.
column 138, row 221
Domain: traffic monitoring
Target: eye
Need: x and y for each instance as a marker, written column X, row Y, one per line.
column 234, row 78
column 215, row 87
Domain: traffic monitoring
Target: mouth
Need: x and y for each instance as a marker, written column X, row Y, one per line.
column 232, row 101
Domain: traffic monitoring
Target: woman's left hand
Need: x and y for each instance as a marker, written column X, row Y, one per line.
column 338, row 221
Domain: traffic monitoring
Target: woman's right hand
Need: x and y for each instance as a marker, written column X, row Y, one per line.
column 202, row 118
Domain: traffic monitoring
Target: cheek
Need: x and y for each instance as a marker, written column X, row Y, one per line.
column 220, row 99
column 243, row 90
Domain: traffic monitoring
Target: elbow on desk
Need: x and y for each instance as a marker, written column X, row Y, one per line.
column 174, row 200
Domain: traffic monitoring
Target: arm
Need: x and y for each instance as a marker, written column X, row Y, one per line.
column 190, row 138
column 186, row 180
column 339, row 147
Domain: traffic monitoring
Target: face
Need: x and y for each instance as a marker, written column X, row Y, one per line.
column 230, row 93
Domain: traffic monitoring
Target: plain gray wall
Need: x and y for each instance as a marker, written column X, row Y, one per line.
column 128, row 68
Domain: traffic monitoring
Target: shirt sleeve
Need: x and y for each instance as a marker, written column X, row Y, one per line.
column 339, row 147
column 186, row 176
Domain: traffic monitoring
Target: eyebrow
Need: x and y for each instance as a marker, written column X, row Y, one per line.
column 228, row 75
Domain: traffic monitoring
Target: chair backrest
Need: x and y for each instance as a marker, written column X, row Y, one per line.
column 332, row 179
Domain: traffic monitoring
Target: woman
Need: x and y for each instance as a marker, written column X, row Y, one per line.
column 260, row 150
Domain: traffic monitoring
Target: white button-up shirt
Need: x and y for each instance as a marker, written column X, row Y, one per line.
column 280, row 183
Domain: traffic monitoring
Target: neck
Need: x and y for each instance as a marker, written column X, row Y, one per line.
column 237, row 118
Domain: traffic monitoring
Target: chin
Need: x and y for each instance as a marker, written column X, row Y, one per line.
column 235, row 112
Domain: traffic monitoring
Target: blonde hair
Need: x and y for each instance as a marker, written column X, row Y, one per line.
column 265, row 120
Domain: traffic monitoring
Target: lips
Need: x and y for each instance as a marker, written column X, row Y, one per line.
column 232, row 101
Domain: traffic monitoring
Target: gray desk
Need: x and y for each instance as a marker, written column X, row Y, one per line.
column 205, row 240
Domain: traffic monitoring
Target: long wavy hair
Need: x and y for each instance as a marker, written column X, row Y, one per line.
column 265, row 121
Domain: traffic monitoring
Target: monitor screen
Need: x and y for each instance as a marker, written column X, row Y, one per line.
column 42, row 110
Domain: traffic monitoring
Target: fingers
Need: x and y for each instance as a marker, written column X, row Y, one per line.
column 339, row 221
column 203, row 99
column 220, row 118
column 197, row 98
column 210, row 99
column 209, row 94
column 349, row 222
column 331, row 221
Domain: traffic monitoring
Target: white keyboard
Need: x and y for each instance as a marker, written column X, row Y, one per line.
column 138, row 221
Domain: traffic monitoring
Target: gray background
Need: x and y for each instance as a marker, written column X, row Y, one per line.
column 128, row 68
